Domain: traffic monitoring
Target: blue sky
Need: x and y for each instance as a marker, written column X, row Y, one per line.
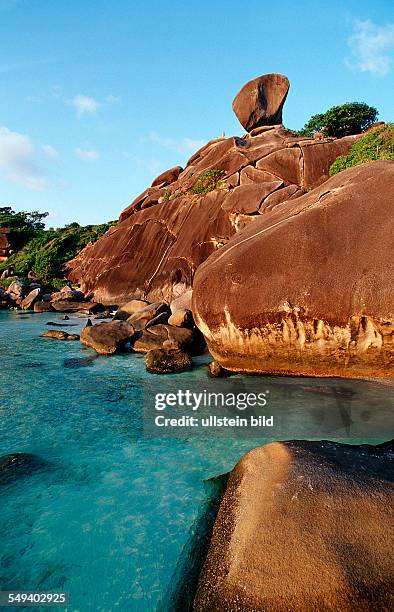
column 99, row 96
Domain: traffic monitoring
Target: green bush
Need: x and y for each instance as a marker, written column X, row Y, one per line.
column 338, row 121
column 207, row 181
column 377, row 144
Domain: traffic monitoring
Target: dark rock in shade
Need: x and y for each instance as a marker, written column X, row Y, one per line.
column 18, row 465
column 156, row 337
column 58, row 334
column 31, row 298
column 167, row 177
column 5, row 299
column 82, row 307
column 43, row 307
column 303, row 526
column 162, row 361
column 261, row 100
column 307, row 289
column 107, row 338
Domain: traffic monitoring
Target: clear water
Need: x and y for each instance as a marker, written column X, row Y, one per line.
column 108, row 520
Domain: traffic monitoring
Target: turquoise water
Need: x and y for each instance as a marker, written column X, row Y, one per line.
column 108, row 518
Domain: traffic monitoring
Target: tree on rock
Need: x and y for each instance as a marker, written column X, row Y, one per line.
column 344, row 120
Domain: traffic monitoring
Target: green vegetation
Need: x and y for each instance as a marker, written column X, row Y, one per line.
column 23, row 225
column 377, row 144
column 207, row 181
column 338, row 121
column 45, row 251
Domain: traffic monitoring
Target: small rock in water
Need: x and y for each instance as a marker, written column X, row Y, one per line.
column 163, row 361
column 57, row 334
column 215, row 370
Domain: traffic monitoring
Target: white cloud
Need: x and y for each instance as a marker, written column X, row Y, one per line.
column 50, row 152
column 86, row 154
column 84, row 104
column 372, row 47
column 17, row 160
column 183, row 145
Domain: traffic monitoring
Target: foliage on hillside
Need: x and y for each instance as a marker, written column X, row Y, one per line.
column 46, row 251
column 343, row 120
column 23, row 225
column 377, row 144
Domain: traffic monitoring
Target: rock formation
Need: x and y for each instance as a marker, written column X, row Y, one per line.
column 303, row 526
column 186, row 215
column 107, row 338
column 308, row 287
column 260, row 101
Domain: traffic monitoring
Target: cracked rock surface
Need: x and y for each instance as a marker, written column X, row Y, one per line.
column 166, row 233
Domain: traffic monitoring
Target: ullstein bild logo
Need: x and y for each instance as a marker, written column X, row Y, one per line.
column 210, row 410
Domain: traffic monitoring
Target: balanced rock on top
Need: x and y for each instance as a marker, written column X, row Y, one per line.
column 261, row 100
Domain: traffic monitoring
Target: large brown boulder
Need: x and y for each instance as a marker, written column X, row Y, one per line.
column 153, row 252
column 107, row 338
column 303, row 526
column 260, row 101
column 307, row 288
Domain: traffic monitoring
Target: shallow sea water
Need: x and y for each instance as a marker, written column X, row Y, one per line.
column 109, row 516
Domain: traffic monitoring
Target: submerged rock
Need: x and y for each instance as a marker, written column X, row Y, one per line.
column 18, row 465
column 167, row 361
column 107, row 338
column 307, row 289
column 58, row 334
column 303, row 526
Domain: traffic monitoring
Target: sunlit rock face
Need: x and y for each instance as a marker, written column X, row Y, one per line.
column 186, row 215
column 303, row 526
column 308, row 288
